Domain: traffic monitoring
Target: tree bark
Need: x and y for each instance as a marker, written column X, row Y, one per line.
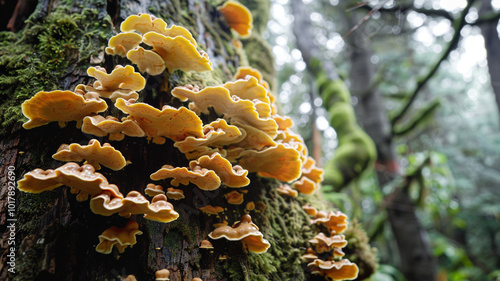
column 55, row 236
column 492, row 45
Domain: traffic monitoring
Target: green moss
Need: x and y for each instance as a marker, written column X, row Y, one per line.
column 260, row 56
column 356, row 151
column 359, row 251
column 286, row 226
column 35, row 59
column 332, row 91
column 260, row 13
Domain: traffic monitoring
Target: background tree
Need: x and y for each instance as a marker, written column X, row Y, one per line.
column 412, row 61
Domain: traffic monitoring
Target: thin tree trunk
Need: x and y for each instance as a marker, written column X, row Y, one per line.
column 417, row 261
column 492, row 45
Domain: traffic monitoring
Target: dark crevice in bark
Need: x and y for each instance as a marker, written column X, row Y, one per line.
column 113, row 9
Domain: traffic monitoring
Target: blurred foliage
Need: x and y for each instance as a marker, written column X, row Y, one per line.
column 450, row 159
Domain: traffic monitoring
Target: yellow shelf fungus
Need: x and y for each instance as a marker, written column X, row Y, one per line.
column 93, row 154
column 99, row 126
column 82, row 180
column 232, row 176
column 121, row 238
column 176, row 124
column 280, row 162
column 246, row 232
column 60, row 106
column 203, row 178
column 232, row 107
column 238, row 17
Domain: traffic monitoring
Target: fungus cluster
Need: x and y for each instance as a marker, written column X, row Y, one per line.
column 171, row 48
column 325, row 257
column 226, row 132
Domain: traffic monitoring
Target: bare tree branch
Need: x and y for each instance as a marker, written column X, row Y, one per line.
column 364, row 19
column 406, row 8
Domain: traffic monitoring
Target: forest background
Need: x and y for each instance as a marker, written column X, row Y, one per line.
column 424, row 78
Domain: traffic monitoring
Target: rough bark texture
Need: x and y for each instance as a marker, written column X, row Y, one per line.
column 492, row 45
column 55, row 236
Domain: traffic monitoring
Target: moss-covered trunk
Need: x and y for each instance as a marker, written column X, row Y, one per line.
column 52, row 236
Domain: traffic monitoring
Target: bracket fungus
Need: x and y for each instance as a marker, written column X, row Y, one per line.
column 82, row 180
column 310, row 255
column 280, row 162
column 285, row 189
column 162, row 275
column 203, row 178
column 147, row 61
column 175, row 194
column 254, row 138
column 284, row 122
column 305, row 185
column 60, row 106
column 335, row 270
column 134, row 203
column 206, row 245
column 121, row 238
column 216, row 134
column 123, row 42
column 211, row 210
column 323, row 244
column 312, row 172
column 177, row 52
column 93, row 153
column 246, row 232
column 250, row 206
column 232, row 176
column 232, row 107
column 144, row 23
column 244, row 71
column 172, row 47
column 153, row 189
column 234, row 197
column 250, row 89
column 334, row 221
column 310, row 210
column 100, row 126
column 238, row 17
column 122, row 82
column 242, row 134
column 176, row 124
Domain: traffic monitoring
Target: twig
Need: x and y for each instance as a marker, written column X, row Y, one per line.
column 459, row 24
column 364, row 19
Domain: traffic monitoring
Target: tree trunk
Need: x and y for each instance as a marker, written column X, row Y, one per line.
column 406, row 227
column 54, row 236
column 492, row 45
column 417, row 261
